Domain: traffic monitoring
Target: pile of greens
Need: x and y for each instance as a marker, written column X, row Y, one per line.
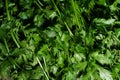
column 59, row 39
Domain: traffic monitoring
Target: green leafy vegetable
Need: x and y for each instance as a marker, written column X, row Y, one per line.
column 59, row 39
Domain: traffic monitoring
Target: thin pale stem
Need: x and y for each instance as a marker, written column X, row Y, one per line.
column 14, row 39
column 42, row 68
column 7, row 11
column 56, row 8
column 71, row 34
column 45, row 65
column 6, row 45
column 38, row 5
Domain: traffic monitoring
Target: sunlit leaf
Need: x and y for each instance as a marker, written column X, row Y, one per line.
column 103, row 59
column 104, row 21
column 105, row 74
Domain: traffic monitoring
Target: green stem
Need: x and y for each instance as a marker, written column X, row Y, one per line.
column 42, row 68
column 45, row 66
column 38, row 5
column 7, row 11
column 16, row 37
column 56, row 8
column 11, row 32
column 71, row 34
column 79, row 19
column 6, row 45
column 75, row 12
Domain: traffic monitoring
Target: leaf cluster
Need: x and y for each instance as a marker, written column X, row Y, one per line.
column 59, row 39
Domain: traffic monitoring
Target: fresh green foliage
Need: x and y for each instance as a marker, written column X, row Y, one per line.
column 59, row 39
